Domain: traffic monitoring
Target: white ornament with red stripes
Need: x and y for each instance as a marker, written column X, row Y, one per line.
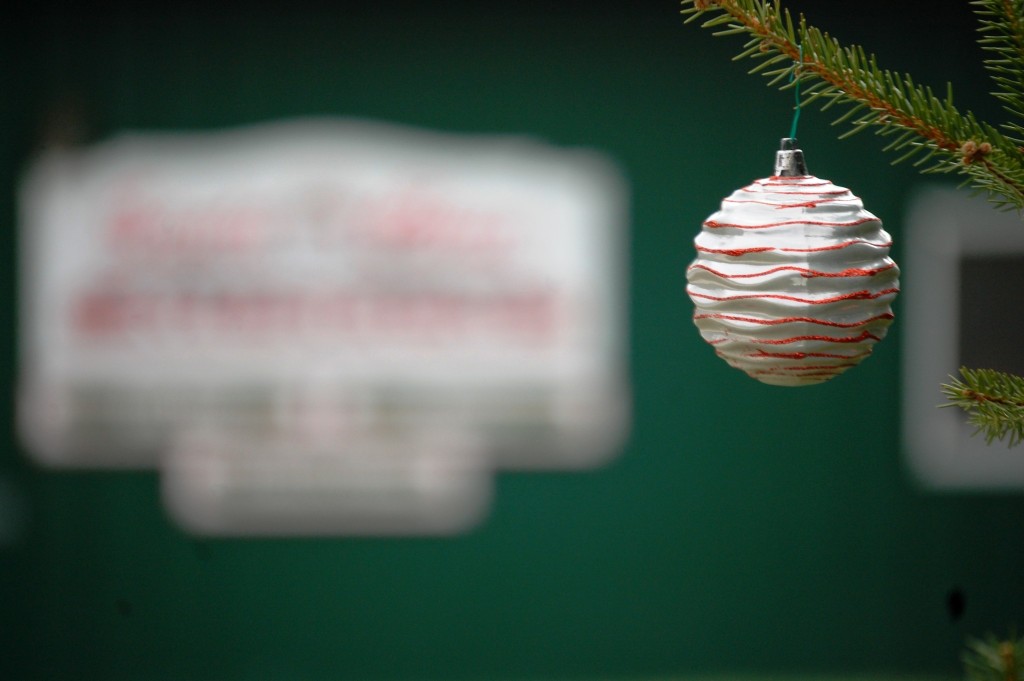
column 793, row 282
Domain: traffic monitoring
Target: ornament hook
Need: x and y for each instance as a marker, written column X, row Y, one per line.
column 789, row 160
column 795, row 76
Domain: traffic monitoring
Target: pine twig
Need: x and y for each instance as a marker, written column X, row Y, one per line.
column 1001, row 24
column 993, row 401
column 994, row 659
column 921, row 125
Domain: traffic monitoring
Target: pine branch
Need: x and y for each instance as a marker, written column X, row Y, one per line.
column 992, row 659
column 993, row 400
column 1001, row 23
column 923, row 127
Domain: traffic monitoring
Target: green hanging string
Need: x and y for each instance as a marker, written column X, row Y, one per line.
column 796, row 94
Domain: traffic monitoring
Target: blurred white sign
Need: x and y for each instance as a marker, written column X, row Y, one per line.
column 248, row 297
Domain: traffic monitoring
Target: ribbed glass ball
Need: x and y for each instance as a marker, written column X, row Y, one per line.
column 793, row 282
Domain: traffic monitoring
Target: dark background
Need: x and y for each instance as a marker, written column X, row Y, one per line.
column 744, row 528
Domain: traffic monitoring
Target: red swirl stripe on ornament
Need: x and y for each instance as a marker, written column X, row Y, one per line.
column 715, row 224
column 804, row 272
column 860, row 338
column 762, row 354
column 813, row 367
column 792, row 320
column 738, row 252
column 780, row 206
column 856, row 295
column 855, row 358
column 774, row 181
column 755, row 189
column 836, row 247
column 816, row 374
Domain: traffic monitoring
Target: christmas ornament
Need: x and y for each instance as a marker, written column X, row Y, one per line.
column 792, row 282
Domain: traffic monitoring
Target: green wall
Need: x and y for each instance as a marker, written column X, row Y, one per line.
column 744, row 528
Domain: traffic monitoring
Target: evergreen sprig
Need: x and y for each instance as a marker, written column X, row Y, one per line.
column 994, row 659
column 924, row 127
column 1001, row 24
column 993, row 400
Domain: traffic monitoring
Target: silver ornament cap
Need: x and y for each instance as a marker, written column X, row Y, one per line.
column 789, row 159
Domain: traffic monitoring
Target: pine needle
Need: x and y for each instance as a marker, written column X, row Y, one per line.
column 993, row 401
